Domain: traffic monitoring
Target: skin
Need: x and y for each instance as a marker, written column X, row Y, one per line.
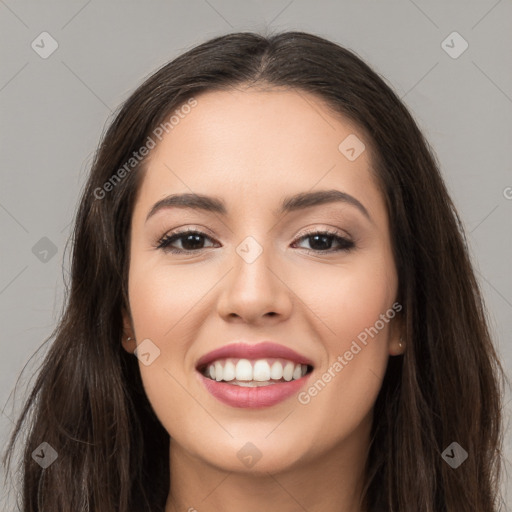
column 251, row 148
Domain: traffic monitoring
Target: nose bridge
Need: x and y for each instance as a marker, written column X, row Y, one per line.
column 252, row 263
column 253, row 288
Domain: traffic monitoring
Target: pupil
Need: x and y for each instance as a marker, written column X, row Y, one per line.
column 195, row 245
column 326, row 245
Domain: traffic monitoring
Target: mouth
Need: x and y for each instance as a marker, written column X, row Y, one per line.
column 254, row 373
column 261, row 375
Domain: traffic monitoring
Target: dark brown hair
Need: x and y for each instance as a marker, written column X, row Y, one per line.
column 88, row 401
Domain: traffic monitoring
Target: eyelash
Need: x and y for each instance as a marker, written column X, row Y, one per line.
column 165, row 241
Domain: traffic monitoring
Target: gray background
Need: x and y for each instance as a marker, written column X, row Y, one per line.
column 55, row 109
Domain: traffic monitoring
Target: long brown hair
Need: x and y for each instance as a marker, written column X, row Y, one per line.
column 88, row 401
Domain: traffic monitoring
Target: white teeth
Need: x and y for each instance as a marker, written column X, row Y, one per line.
column 252, row 384
column 218, row 371
column 287, row 371
column 243, row 370
column 297, row 372
column 229, row 371
column 261, row 372
column 276, row 372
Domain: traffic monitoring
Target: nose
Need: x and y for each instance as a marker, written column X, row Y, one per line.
column 255, row 292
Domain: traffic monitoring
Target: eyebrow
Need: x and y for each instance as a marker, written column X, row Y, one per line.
column 289, row 204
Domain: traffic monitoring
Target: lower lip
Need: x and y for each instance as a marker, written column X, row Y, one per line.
column 264, row 396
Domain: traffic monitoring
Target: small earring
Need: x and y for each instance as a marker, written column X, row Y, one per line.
column 400, row 343
column 129, row 338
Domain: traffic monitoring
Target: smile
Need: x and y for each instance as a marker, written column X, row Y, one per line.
column 253, row 376
column 255, row 373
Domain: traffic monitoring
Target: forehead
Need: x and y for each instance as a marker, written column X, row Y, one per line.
column 257, row 146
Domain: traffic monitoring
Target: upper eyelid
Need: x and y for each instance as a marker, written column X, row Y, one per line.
column 330, row 231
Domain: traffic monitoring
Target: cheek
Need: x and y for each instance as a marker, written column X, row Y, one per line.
column 350, row 298
column 354, row 304
column 161, row 311
column 163, row 296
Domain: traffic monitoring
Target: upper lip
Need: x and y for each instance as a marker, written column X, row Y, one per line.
column 265, row 349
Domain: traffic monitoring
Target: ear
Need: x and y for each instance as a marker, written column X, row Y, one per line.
column 128, row 340
column 397, row 342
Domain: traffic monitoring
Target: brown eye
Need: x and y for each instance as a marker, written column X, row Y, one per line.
column 191, row 241
column 322, row 241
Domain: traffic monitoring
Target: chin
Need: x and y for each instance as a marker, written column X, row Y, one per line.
column 255, row 456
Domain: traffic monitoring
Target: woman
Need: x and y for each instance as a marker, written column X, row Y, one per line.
column 271, row 307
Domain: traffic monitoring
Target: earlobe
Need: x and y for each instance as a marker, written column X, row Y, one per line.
column 397, row 342
column 128, row 337
column 129, row 344
column 397, row 348
column 401, row 346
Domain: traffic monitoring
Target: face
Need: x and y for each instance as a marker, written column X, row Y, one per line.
column 317, row 278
